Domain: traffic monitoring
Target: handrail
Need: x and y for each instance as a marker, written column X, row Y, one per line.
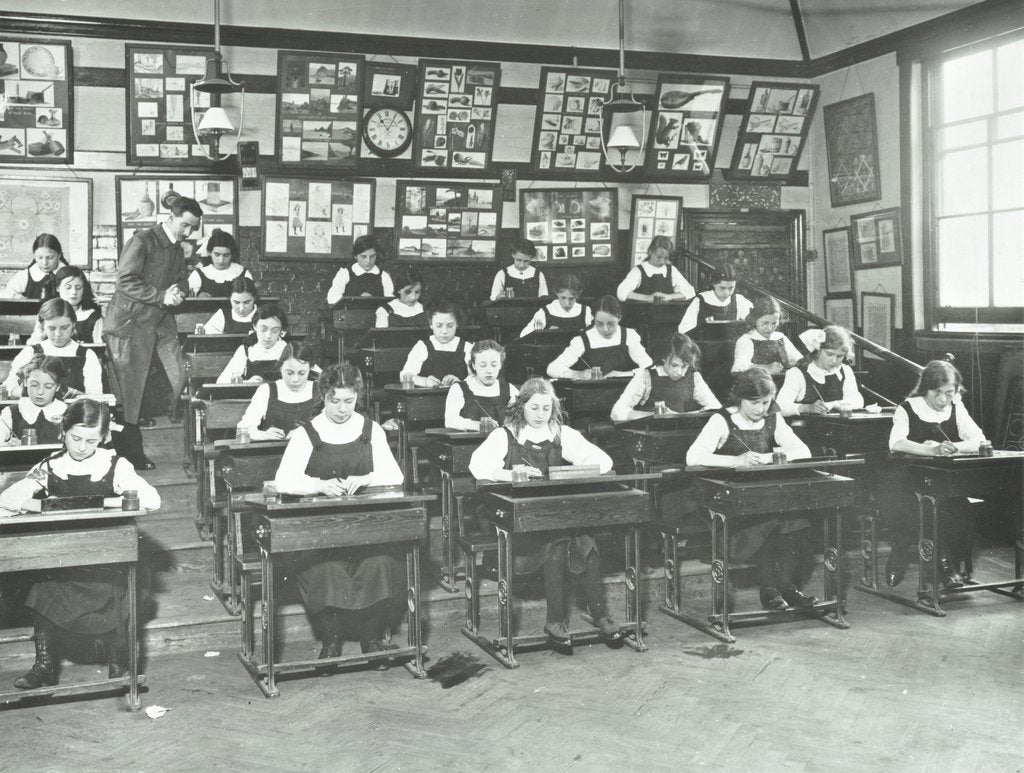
column 800, row 311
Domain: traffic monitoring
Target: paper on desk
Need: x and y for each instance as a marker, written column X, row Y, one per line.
column 873, row 408
column 155, row 712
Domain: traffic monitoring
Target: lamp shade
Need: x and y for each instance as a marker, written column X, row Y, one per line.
column 216, row 119
column 623, row 137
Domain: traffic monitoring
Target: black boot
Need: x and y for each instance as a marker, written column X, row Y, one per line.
column 329, row 625
column 767, row 573
column 44, row 671
column 791, row 571
column 372, row 624
column 896, row 564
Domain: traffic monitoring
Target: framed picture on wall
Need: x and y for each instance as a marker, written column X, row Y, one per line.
column 653, row 216
column 389, row 84
column 574, row 226
column 851, row 141
column 60, row 207
column 774, row 130
column 37, row 86
column 449, row 222
column 686, row 124
column 567, row 128
column 877, row 239
column 877, row 318
column 840, row 310
column 838, row 275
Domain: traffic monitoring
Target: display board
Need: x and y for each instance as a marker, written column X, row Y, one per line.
column 877, row 238
column 319, row 116
column 314, row 219
column 142, row 202
column 451, row 222
column 851, row 142
column 159, row 114
column 686, row 124
column 455, row 114
column 29, row 207
column 571, row 226
column 567, row 130
column 653, row 216
column 36, row 83
column 774, row 130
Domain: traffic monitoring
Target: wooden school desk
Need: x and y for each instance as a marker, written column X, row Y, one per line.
column 837, row 435
column 653, row 321
column 508, row 316
column 550, row 508
column 72, row 539
column 416, row 408
column 530, row 356
column 733, row 495
column 384, row 515
column 584, row 399
column 196, row 310
column 351, row 315
column 453, row 450
column 936, row 481
column 662, row 439
column 214, row 418
column 717, row 342
column 18, row 318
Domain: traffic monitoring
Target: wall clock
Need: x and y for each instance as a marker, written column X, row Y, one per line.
column 387, row 131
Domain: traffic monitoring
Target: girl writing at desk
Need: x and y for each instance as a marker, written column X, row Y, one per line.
column 764, row 344
column 215, row 279
column 38, row 408
column 719, row 304
column 745, row 434
column 676, row 382
column 279, row 406
column 339, row 453
column 73, row 287
column 534, row 436
column 364, row 276
column 821, row 381
column 656, row 279
column 36, row 279
column 616, row 350
column 82, row 367
column 563, row 313
column 405, row 310
column 90, row 601
column 258, row 362
column 522, row 277
column 483, row 393
column 441, row 358
column 932, row 422
column 237, row 316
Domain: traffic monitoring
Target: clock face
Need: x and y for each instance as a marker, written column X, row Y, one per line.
column 387, row 131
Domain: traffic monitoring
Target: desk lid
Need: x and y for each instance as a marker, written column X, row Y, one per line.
column 667, row 421
column 534, row 483
column 374, row 495
column 228, row 445
column 772, row 469
column 70, row 517
column 416, row 391
column 455, row 434
column 958, row 460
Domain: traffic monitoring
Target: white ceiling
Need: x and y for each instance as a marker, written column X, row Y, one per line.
column 743, row 28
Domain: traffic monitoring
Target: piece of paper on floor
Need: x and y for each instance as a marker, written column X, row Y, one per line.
column 211, row 654
column 155, row 712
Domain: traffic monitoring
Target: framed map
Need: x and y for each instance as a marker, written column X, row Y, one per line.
column 319, row 116
column 29, row 207
column 37, row 87
column 314, row 219
column 774, row 130
column 573, row 226
column 567, row 130
column 851, row 141
column 451, row 222
column 686, row 124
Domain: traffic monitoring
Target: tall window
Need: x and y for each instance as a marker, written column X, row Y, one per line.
column 976, row 141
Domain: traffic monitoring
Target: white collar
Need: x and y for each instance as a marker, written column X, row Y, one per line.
column 404, row 309
column 30, row 411
column 526, row 273
column 358, row 270
column 167, row 231
column 775, row 334
column 925, row 411
column 36, row 273
column 83, row 314
column 451, row 346
column 247, row 318
column 556, row 308
column 742, row 422
column 233, row 270
column 819, row 374
column 712, row 300
column 266, row 354
column 96, row 466
column 71, row 347
column 650, row 270
column 538, row 435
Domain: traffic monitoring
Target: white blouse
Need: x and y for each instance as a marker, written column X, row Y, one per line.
column 257, row 410
column 794, row 389
column 561, row 365
column 970, row 433
column 690, row 319
column 215, row 324
column 337, row 291
column 18, row 283
column 634, row 277
column 704, row 451
column 639, row 386
column 498, row 285
column 291, row 475
column 540, row 320
column 29, row 412
column 744, row 353
column 419, row 353
column 256, row 353
column 92, row 371
column 397, row 307
column 80, row 316
column 232, row 272
column 488, row 461
column 456, row 401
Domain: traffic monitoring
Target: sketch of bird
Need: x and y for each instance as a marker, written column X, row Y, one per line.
column 673, row 100
column 666, row 130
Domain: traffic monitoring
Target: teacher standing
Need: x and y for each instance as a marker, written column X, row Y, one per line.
column 139, row 327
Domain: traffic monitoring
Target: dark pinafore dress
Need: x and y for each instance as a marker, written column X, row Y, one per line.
column 523, row 288
column 767, row 352
column 288, row 416
column 42, row 289
column 355, row 578
column 46, row 430
column 717, row 342
column 477, row 406
column 232, row 325
column 709, row 312
column 84, row 327
column 441, row 363
column 532, row 551
column 677, row 395
column 265, row 369
column 656, row 283
column 829, row 392
column 364, row 284
column 83, row 600
column 74, row 367
column 579, row 322
column 213, row 288
column 607, row 358
column 397, row 320
column 745, row 541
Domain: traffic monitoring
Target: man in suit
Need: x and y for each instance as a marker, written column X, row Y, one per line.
column 139, row 322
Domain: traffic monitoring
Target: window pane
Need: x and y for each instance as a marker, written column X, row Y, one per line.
column 963, row 261
column 1010, row 64
column 973, row 133
column 964, row 182
column 967, row 87
column 1008, row 258
column 1008, row 174
column 1011, row 125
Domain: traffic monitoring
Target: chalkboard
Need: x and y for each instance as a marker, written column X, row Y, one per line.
column 575, row 226
column 449, row 222
column 310, row 219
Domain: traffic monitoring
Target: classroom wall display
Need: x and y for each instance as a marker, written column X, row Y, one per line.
column 451, row 222
column 319, row 119
column 142, row 202
column 686, row 124
column 877, row 318
column 575, row 226
column 877, row 239
column 29, row 207
column 567, row 130
column 389, row 84
column 839, row 310
column 774, row 130
column 36, row 84
column 653, row 216
column 851, row 142
column 455, row 114
column 314, row 219
column 838, row 276
column 160, row 105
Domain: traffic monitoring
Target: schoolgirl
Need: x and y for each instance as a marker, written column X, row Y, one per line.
column 656, row 279
column 237, row 316
column 406, row 309
column 534, row 436
column 364, row 276
column 821, row 381
column 338, row 453
column 676, row 382
column 764, row 344
column 91, row 601
column 483, row 393
column 258, row 361
column 719, row 304
column 278, row 407
column 522, row 277
column 215, row 278
column 36, row 279
column 440, row 359
column 563, row 313
column 616, row 350
column 38, row 408
column 74, row 287
column 744, row 434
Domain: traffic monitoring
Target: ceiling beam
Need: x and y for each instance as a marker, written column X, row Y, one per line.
column 801, row 31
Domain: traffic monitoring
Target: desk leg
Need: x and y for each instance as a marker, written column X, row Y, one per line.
column 247, row 621
column 268, row 685
column 505, row 598
column 670, row 548
column 868, row 550
column 134, row 703
column 632, row 581
column 472, row 592
column 1018, row 554
column 414, row 622
column 720, row 572
column 832, row 579
column 448, row 569
column 928, row 551
column 403, row 448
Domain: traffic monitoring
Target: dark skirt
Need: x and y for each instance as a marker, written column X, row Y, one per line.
column 530, row 552
column 358, row 579
column 88, row 601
